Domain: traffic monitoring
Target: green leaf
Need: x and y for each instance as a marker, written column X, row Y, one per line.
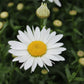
column 79, row 79
column 77, row 32
column 72, row 76
column 67, row 71
column 4, row 27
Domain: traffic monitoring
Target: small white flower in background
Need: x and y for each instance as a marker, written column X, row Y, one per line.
column 57, row 2
column 37, row 48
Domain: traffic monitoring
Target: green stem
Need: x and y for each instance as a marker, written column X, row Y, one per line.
column 43, row 22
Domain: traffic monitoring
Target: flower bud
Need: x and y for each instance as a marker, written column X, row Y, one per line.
column 81, row 61
column 43, row 11
column 55, row 9
column 4, row 14
column 80, row 53
column 20, row 6
column 44, row 71
column 73, row 12
column 10, row 4
column 57, row 23
column 1, row 25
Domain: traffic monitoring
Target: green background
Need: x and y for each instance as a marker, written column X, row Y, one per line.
column 67, row 72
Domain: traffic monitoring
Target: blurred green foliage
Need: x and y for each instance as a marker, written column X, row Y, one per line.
column 67, row 72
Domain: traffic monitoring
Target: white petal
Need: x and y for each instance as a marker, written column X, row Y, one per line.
column 46, row 36
column 22, row 65
column 34, row 65
column 51, row 36
column 50, row 0
column 39, row 61
column 55, row 39
column 26, row 33
column 28, row 63
column 22, row 40
column 58, row 37
column 17, row 45
column 19, row 52
column 16, row 59
column 43, row 33
column 58, row 3
column 55, row 45
column 24, row 37
column 37, row 33
column 46, row 67
column 55, row 51
column 52, row 57
column 46, row 61
column 60, row 58
column 55, row 58
column 23, row 59
column 61, row 49
column 30, row 34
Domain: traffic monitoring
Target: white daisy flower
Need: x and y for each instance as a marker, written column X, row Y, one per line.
column 37, row 48
column 57, row 2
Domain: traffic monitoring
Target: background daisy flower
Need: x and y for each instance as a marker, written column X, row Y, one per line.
column 37, row 48
column 57, row 2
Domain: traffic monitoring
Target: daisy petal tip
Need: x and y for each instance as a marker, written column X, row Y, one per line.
column 28, row 27
column 9, row 42
column 13, row 60
column 21, row 67
column 65, row 49
column 60, row 5
column 25, row 68
column 44, row 27
column 61, row 35
column 19, row 31
column 63, row 59
column 32, row 71
column 9, row 51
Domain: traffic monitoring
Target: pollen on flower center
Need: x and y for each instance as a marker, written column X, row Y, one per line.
column 37, row 48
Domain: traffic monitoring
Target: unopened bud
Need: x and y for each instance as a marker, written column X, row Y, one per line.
column 20, row 6
column 80, row 53
column 10, row 4
column 44, row 71
column 81, row 61
column 57, row 23
column 43, row 11
column 1, row 25
column 4, row 14
column 73, row 12
column 55, row 9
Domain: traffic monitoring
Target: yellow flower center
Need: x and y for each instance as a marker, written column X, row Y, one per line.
column 37, row 48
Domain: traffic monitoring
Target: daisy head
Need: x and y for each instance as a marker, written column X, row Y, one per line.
column 37, row 47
